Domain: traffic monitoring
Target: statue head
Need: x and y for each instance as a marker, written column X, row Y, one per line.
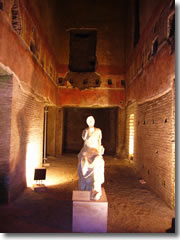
column 90, row 121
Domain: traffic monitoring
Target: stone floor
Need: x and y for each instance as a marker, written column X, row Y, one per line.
column 133, row 207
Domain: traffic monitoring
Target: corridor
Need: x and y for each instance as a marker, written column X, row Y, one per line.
column 132, row 206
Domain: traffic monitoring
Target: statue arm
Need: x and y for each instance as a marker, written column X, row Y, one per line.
column 99, row 138
column 100, row 147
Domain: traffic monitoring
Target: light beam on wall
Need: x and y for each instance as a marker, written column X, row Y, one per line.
column 32, row 162
column 131, row 135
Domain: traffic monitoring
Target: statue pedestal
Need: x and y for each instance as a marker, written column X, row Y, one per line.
column 89, row 216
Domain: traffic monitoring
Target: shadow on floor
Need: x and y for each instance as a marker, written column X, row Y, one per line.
column 39, row 212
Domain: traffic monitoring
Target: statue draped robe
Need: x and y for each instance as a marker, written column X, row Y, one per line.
column 91, row 162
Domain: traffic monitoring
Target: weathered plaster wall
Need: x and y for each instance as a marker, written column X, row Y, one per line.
column 155, row 79
column 106, row 16
column 148, row 75
column 146, row 19
column 90, row 97
column 16, row 55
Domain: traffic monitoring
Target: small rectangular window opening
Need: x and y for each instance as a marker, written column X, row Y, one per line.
column 136, row 23
column 1, row 5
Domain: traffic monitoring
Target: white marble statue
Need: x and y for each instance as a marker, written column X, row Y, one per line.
column 90, row 161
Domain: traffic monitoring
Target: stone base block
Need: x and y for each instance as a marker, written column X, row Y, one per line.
column 90, row 216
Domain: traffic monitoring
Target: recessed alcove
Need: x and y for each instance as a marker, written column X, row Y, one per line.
column 82, row 57
column 1, row 4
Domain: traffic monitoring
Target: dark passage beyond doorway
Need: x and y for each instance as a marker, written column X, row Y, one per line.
column 75, row 122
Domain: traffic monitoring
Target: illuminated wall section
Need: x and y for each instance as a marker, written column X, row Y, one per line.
column 26, row 138
column 131, row 136
column 130, row 145
column 33, row 158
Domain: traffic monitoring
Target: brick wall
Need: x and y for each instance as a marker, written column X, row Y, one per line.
column 5, row 130
column 21, row 137
column 26, row 144
column 155, row 144
column 173, row 143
